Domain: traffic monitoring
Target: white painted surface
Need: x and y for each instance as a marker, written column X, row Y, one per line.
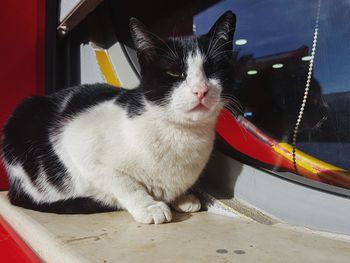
column 277, row 197
column 89, row 69
column 67, row 6
column 125, row 73
column 199, row 237
column 45, row 243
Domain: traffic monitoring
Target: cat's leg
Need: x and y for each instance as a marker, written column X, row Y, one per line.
column 186, row 203
column 133, row 196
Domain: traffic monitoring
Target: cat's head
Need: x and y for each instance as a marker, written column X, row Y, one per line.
column 187, row 76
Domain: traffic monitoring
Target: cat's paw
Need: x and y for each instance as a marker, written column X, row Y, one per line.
column 156, row 213
column 187, row 203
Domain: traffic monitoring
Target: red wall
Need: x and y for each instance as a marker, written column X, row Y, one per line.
column 22, row 56
column 12, row 248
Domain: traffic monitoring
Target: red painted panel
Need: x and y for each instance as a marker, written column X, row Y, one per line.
column 237, row 136
column 12, row 247
column 22, row 56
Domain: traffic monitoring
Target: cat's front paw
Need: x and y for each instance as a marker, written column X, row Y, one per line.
column 187, row 203
column 156, row 213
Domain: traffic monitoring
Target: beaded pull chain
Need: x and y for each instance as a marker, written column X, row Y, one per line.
column 307, row 88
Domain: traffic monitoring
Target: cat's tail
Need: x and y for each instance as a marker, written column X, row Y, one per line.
column 81, row 205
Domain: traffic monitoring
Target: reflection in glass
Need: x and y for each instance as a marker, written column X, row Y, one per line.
column 271, row 71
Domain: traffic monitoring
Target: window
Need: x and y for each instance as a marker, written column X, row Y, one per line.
column 273, row 42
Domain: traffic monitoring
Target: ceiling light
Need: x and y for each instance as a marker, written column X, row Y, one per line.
column 241, row 42
column 277, row 65
column 306, row 58
column 252, row 72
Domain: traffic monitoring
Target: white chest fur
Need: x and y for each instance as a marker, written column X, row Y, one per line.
column 173, row 158
column 166, row 158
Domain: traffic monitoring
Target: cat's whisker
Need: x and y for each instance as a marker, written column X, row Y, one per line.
column 238, row 107
column 160, row 39
column 213, row 54
column 236, row 103
column 168, row 57
column 211, row 39
column 233, row 99
column 213, row 46
column 235, row 106
column 220, row 53
column 219, row 39
column 230, row 96
column 233, row 110
column 173, row 41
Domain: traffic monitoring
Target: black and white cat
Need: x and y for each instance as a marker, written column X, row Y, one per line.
column 95, row 147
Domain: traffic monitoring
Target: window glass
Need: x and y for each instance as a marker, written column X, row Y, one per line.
column 273, row 42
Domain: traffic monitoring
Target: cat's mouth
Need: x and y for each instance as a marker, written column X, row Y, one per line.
column 199, row 108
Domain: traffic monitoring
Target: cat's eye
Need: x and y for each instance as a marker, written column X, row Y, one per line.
column 175, row 74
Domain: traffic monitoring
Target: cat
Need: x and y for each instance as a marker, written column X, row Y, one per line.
column 94, row 148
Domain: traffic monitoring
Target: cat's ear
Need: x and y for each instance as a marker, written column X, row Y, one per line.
column 224, row 27
column 145, row 42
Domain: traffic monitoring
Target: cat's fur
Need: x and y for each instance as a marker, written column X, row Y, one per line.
column 95, row 148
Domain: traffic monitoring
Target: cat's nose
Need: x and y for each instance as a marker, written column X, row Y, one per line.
column 200, row 91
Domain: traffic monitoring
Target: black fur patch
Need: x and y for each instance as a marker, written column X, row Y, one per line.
column 26, row 141
column 132, row 101
column 82, row 205
column 86, row 96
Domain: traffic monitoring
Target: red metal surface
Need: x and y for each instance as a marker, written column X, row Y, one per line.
column 22, row 56
column 243, row 136
column 238, row 137
column 12, row 247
